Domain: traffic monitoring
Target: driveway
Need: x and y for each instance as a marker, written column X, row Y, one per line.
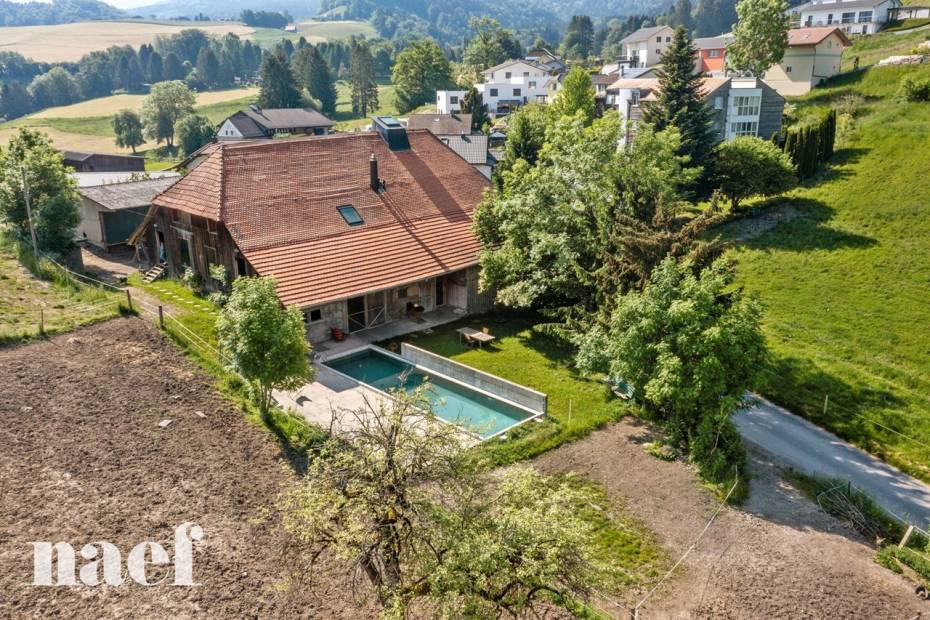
column 808, row 448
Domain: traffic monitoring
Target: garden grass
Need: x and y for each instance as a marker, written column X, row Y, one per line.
column 576, row 405
column 65, row 303
column 845, row 283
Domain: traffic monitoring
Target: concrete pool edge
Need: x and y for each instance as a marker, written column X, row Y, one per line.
column 532, row 415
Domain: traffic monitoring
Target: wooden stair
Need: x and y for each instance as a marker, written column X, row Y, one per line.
column 153, row 274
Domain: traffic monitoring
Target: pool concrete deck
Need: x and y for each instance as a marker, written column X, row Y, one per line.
column 401, row 327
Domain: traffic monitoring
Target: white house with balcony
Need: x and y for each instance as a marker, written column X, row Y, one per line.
column 514, row 83
column 644, row 48
column 851, row 16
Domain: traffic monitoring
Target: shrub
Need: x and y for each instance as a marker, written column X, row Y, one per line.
column 749, row 166
column 914, row 89
column 191, row 279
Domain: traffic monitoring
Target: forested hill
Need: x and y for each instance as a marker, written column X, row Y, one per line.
column 447, row 20
column 55, row 12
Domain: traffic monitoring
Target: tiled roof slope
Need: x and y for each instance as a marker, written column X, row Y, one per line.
column 279, row 201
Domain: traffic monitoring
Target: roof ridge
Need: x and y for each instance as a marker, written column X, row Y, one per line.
column 222, row 181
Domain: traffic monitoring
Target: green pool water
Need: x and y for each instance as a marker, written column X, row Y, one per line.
column 479, row 413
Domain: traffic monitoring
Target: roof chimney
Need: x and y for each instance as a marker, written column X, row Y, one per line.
column 373, row 173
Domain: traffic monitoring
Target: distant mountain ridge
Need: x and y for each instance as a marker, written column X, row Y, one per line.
column 225, row 9
column 55, row 12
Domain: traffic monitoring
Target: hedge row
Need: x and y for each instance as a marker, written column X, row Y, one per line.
column 811, row 146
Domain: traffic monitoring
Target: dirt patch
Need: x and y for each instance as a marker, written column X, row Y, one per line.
column 752, row 227
column 84, row 459
column 779, row 556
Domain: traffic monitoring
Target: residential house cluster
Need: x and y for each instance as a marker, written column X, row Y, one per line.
column 853, row 17
column 511, row 84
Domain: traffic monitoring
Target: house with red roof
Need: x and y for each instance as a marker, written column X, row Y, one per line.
column 358, row 229
column 812, row 56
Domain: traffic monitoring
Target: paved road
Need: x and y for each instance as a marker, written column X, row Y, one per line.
column 809, row 448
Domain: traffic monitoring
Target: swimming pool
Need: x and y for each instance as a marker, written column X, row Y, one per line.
column 453, row 401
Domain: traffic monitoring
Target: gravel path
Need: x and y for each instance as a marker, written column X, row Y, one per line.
column 808, row 448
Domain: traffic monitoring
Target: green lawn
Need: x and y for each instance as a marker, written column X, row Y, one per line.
column 52, row 300
column 845, row 284
column 520, row 354
column 346, row 121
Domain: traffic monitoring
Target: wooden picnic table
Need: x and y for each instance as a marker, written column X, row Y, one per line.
column 473, row 336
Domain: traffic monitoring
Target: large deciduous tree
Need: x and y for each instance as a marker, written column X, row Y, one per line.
column 761, row 35
column 691, row 347
column 429, row 527
column 193, row 131
column 419, row 71
column 490, row 46
column 576, row 95
column 278, row 89
column 680, row 101
column 364, row 88
column 266, row 343
column 749, row 166
column 167, row 102
column 53, row 196
column 127, row 126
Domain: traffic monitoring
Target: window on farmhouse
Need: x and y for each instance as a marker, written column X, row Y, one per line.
column 314, row 315
column 744, row 128
column 747, row 105
column 350, row 215
column 865, row 16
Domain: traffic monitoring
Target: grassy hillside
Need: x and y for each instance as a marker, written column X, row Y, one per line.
column 345, row 121
column 873, row 48
column 315, row 32
column 92, row 132
column 844, row 275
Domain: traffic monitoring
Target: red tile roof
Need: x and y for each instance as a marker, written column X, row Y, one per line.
column 813, row 36
column 279, row 201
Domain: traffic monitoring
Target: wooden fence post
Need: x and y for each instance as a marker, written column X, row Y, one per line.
column 826, row 401
column 41, row 320
column 906, row 537
column 161, row 317
column 129, row 299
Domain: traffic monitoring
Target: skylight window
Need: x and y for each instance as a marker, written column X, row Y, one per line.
column 350, row 215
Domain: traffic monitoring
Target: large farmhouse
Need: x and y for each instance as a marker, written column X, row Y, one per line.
column 358, row 229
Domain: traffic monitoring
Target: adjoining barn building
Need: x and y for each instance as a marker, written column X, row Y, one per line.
column 256, row 122
column 82, row 161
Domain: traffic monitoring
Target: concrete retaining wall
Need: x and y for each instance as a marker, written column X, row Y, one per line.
column 531, row 399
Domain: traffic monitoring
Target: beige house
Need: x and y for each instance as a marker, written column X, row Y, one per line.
column 812, row 56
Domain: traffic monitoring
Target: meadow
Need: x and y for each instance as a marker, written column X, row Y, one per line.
column 843, row 274
column 869, row 50
column 68, row 42
column 315, row 32
column 85, row 126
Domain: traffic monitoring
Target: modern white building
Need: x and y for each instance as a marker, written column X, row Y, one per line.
column 852, row 16
column 449, row 101
column 644, row 48
column 514, row 83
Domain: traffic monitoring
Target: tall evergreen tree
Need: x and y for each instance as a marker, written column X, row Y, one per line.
column 579, row 38
column 362, row 80
column 278, row 88
column 208, row 67
column 15, row 100
column 173, row 69
column 319, row 80
column 680, row 103
column 473, row 103
column 155, row 71
column 681, row 15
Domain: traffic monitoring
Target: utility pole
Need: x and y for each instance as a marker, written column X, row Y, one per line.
column 32, row 229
